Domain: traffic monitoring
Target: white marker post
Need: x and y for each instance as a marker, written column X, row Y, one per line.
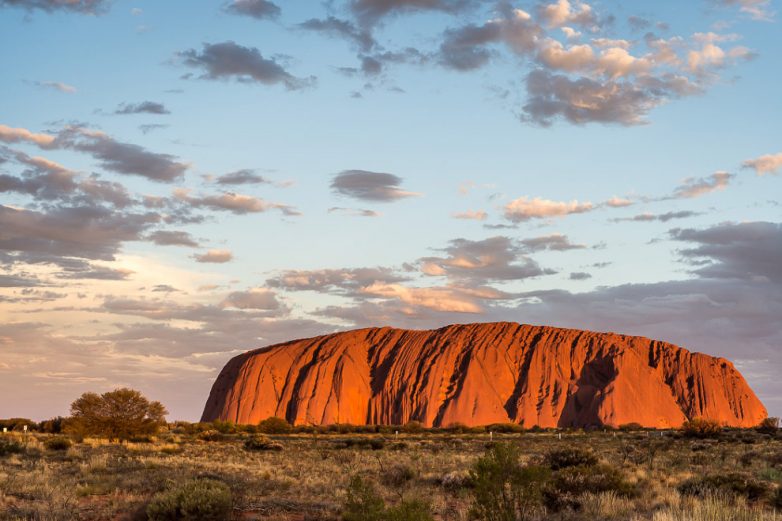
column 491, row 436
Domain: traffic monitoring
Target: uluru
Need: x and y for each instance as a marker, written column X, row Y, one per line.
column 479, row 374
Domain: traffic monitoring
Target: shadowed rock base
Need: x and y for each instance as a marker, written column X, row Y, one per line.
column 478, row 374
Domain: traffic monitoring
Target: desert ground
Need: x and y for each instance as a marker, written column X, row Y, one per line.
column 412, row 473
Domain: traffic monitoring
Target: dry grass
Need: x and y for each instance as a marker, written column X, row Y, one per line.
column 96, row 480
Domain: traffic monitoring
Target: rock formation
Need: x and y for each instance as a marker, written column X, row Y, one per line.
column 478, row 374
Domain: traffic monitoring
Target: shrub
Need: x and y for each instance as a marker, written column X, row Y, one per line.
column 570, row 483
column 409, row 510
column 570, row 457
column 397, row 475
column 632, row 426
column 363, row 503
column 769, row 426
column 506, row 428
column 224, row 426
column 10, row 446
column 57, row 443
column 261, row 442
column 776, row 500
column 733, row 483
column 195, row 499
column 413, row 427
column 274, row 425
column 701, row 428
column 211, row 435
column 503, row 488
column 456, row 480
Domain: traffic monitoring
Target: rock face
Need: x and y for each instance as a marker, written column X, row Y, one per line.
column 478, row 374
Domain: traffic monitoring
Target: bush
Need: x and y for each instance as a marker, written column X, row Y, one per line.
column 769, row 426
column 10, row 446
column 571, row 483
column 503, row 488
column 505, row 428
column 456, row 480
column 413, row 427
column 733, row 483
column 261, row 442
column 397, row 475
column 274, row 425
column 195, row 499
column 701, row 428
column 57, row 443
column 224, row 426
column 776, row 500
column 632, row 426
column 211, row 435
column 573, row 457
column 363, row 503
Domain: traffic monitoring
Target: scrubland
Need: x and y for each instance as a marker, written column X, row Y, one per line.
column 204, row 471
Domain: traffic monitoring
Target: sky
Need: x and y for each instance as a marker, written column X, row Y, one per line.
column 184, row 181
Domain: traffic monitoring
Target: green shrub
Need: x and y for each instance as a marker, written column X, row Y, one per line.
column 569, row 457
column 503, row 488
column 409, row 510
column 224, row 426
column 571, row 483
column 261, row 442
column 413, row 427
column 195, row 499
column 701, row 428
column 733, row 483
column 57, row 443
column 10, row 446
column 363, row 503
column 274, row 425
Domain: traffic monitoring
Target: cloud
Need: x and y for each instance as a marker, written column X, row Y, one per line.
column 749, row 251
column 116, row 156
column 257, row 298
column 693, row 187
column 214, row 256
column 260, row 9
column 355, row 212
column 371, row 11
column 77, row 6
column 524, row 209
column 172, row 238
column 84, row 232
column 493, row 259
column 144, row 107
column 756, row 9
column 475, row 215
column 580, row 275
column 344, row 281
column 242, row 177
column 336, row 27
column 553, row 242
column 444, row 299
column 57, row 85
column 227, row 60
column 562, row 13
column 369, row 186
column 618, row 202
column 663, row 217
column 767, row 164
column 235, row 203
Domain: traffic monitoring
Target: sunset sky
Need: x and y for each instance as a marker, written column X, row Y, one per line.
column 183, row 181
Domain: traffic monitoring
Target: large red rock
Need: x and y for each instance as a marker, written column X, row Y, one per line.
column 478, row 374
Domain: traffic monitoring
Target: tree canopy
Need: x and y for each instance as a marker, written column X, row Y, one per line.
column 118, row 414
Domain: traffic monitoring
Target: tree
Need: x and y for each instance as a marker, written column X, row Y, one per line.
column 118, row 414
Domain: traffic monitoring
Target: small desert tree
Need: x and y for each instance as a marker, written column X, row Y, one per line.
column 118, row 414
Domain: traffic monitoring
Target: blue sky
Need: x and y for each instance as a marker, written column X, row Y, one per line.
column 411, row 163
